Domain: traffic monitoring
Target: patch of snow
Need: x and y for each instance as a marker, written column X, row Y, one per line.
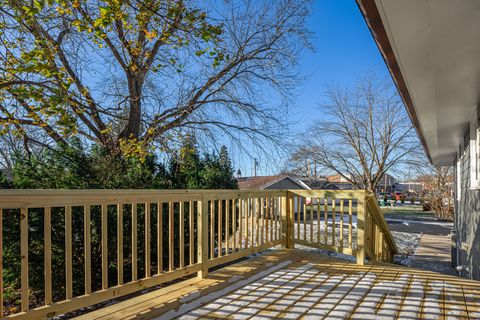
column 406, row 243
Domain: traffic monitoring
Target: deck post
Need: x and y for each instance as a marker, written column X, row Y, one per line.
column 202, row 236
column 287, row 221
column 361, row 210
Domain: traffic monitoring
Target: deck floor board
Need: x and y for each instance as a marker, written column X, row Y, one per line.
column 301, row 284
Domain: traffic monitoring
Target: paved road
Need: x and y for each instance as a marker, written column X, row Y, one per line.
column 433, row 251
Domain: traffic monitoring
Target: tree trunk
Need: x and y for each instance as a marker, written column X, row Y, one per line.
column 133, row 126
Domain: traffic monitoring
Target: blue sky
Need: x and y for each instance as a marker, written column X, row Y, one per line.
column 344, row 50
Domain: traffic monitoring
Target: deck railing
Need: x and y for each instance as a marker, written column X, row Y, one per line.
column 93, row 245
column 347, row 221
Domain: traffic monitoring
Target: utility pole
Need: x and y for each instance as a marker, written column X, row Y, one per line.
column 385, row 182
column 255, row 163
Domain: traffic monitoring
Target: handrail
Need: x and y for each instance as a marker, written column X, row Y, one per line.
column 127, row 240
column 376, row 211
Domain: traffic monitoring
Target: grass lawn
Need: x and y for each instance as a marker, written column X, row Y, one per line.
column 405, row 211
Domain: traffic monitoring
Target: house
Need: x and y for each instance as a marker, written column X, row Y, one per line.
column 336, row 178
column 387, row 183
column 343, row 185
column 432, row 50
column 270, row 182
column 319, row 184
column 410, row 186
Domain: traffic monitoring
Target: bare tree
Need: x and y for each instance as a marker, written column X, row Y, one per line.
column 362, row 134
column 438, row 191
column 135, row 73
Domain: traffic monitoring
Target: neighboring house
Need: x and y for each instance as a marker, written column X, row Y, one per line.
column 319, row 184
column 386, row 184
column 270, row 182
column 432, row 50
column 336, row 178
column 343, row 185
column 282, row 182
column 410, row 186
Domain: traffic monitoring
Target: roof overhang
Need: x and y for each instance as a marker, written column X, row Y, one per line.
column 432, row 49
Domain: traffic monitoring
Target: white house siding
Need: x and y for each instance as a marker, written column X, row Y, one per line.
column 467, row 219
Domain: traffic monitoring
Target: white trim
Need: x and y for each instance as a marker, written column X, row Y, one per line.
column 474, row 151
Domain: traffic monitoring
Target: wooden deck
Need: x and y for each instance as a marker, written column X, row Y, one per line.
column 292, row 284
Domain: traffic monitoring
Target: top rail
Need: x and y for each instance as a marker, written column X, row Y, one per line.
column 37, row 198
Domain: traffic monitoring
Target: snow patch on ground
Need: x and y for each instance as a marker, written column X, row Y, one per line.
column 406, row 243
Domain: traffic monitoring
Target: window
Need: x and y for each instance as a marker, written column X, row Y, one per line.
column 475, row 152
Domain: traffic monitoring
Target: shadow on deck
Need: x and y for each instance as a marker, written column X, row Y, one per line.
column 292, row 284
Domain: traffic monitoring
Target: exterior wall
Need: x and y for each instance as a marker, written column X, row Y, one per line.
column 467, row 219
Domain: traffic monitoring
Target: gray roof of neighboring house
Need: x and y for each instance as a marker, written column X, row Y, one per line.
column 264, row 182
column 319, row 184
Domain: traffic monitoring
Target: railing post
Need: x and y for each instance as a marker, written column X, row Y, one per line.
column 287, row 221
column 361, row 227
column 202, row 236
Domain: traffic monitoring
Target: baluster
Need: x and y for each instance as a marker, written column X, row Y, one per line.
column 227, row 226
column 311, row 220
column 267, row 218
column 272, row 217
column 334, row 216
column 305, row 219
column 381, row 244
column 219, row 228
column 252, row 221
column 299, row 203
column 240, row 219
column 147, row 241
column 104, row 219
column 202, row 236
column 212, row 230
column 119, row 244
column 68, row 252
column 247, row 226
column 277, row 218
column 47, row 228
column 134, row 242
column 24, row 261
column 341, row 223
column 257, row 220
column 87, row 249
column 350, row 222
column 361, row 229
column 159, row 237
column 171, row 236
column 318, row 220
column 190, row 232
column 182, row 234
column 290, row 220
column 234, row 223
column 326, row 220
column 262, row 217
